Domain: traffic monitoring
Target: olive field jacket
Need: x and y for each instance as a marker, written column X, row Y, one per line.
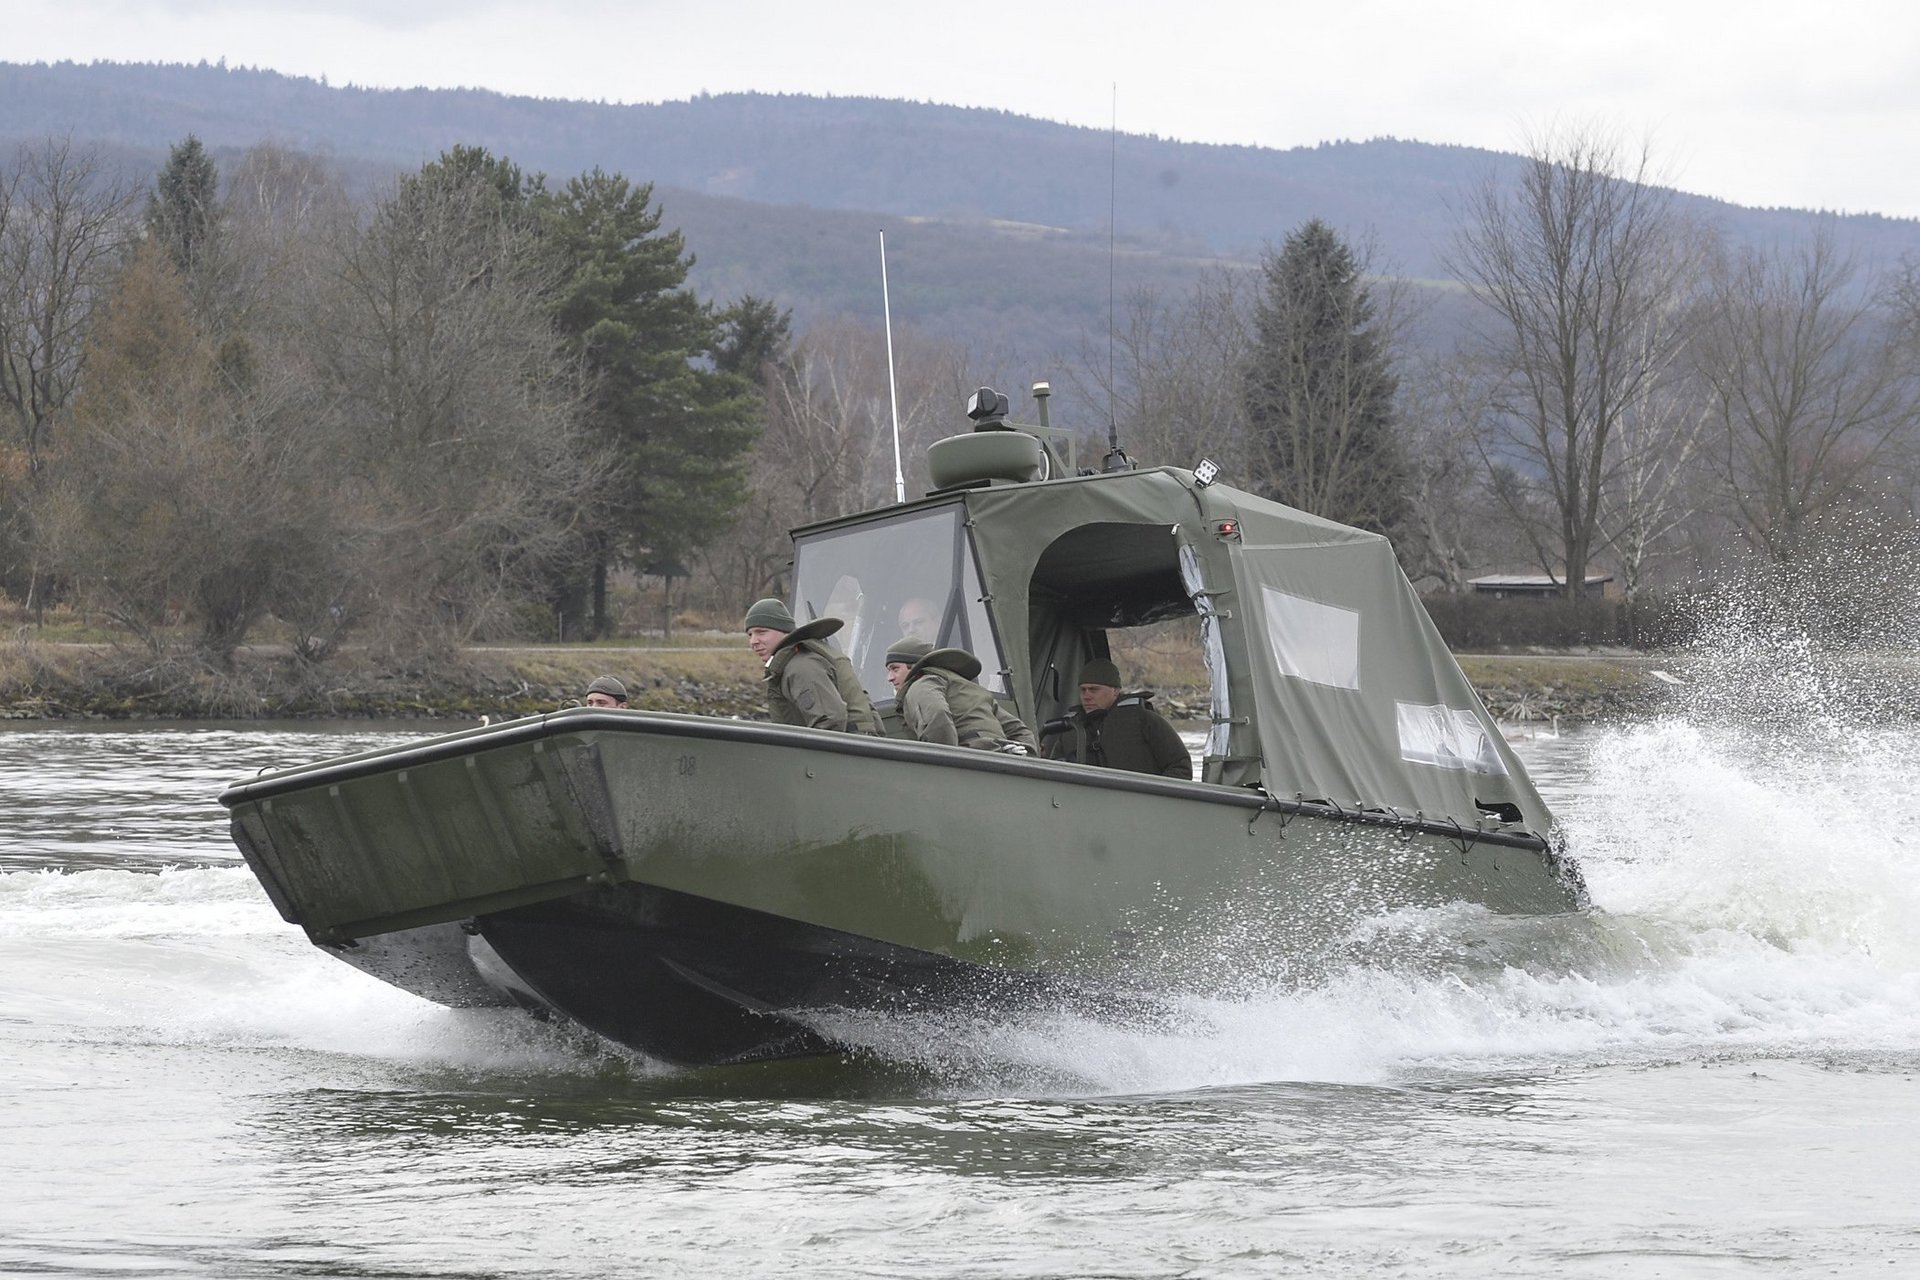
column 810, row 683
column 1128, row 735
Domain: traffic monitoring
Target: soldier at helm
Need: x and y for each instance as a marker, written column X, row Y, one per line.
column 1118, row 730
column 939, row 701
column 808, row 681
column 605, row 691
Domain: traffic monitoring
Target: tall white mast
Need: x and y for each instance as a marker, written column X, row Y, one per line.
column 893, row 392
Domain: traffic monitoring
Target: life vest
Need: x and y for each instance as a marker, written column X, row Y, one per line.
column 1117, row 738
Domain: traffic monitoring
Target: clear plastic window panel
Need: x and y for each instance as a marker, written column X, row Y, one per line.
column 1219, row 708
column 1447, row 738
column 910, row 576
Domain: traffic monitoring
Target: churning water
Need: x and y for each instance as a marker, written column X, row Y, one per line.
column 1713, row 1072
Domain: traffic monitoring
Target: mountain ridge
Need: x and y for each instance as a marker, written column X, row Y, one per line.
column 780, row 194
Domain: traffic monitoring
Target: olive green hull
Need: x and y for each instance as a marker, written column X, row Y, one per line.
column 999, row 864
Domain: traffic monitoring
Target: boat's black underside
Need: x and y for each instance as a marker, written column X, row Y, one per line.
column 696, row 982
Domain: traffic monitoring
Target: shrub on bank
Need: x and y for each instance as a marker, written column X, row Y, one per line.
column 1482, row 624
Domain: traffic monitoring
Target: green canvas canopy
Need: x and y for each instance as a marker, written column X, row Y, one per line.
column 1329, row 681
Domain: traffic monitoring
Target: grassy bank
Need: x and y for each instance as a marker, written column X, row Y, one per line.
column 95, row 682
column 1542, row 687
column 42, row 681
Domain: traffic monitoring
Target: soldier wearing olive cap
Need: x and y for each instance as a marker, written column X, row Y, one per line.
column 1118, row 730
column 605, row 691
column 808, row 682
column 940, row 702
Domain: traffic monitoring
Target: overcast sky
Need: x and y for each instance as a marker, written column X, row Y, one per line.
column 1761, row 103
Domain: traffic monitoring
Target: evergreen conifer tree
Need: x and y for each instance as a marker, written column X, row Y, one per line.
column 677, row 424
column 1319, row 389
column 755, row 337
column 183, row 212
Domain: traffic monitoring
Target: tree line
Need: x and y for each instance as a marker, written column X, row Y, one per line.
column 443, row 415
column 1634, row 393
column 482, row 405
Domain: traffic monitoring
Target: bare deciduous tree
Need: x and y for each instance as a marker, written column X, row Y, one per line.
column 1650, row 489
column 1572, row 265
column 281, row 207
column 1445, row 411
column 1812, row 386
column 1175, row 378
column 456, row 417
column 185, row 496
column 63, row 225
column 827, row 448
column 828, row 443
column 399, row 454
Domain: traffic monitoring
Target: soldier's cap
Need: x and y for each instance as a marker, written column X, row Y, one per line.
column 818, row 629
column 1100, row 671
column 769, row 613
column 907, row 650
column 609, row 686
column 958, row 661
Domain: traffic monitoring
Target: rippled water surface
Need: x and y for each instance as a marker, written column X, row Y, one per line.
column 1715, row 1072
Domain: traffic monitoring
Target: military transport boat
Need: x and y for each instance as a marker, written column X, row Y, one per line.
column 708, row 890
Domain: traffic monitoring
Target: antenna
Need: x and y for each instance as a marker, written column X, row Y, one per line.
column 893, row 391
column 1116, row 459
column 1113, row 205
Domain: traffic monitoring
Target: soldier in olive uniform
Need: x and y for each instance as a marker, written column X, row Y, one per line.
column 808, row 681
column 606, row 691
column 1118, row 730
column 940, row 702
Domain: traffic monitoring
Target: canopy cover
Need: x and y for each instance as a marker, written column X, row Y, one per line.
column 1330, row 681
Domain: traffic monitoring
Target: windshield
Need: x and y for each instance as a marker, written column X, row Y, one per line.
column 910, row 576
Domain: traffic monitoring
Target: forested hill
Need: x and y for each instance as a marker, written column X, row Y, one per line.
column 909, row 159
column 781, row 194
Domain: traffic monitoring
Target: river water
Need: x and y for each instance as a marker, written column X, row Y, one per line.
column 1716, row 1072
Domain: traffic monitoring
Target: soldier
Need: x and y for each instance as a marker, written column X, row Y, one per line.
column 808, row 681
column 1118, row 731
column 939, row 701
column 605, row 691
column 920, row 619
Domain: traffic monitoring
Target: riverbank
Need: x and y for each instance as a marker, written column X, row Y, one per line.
column 1575, row 687
column 66, row 682
column 706, row 676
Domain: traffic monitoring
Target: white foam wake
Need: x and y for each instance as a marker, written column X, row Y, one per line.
column 1752, row 897
column 199, row 957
